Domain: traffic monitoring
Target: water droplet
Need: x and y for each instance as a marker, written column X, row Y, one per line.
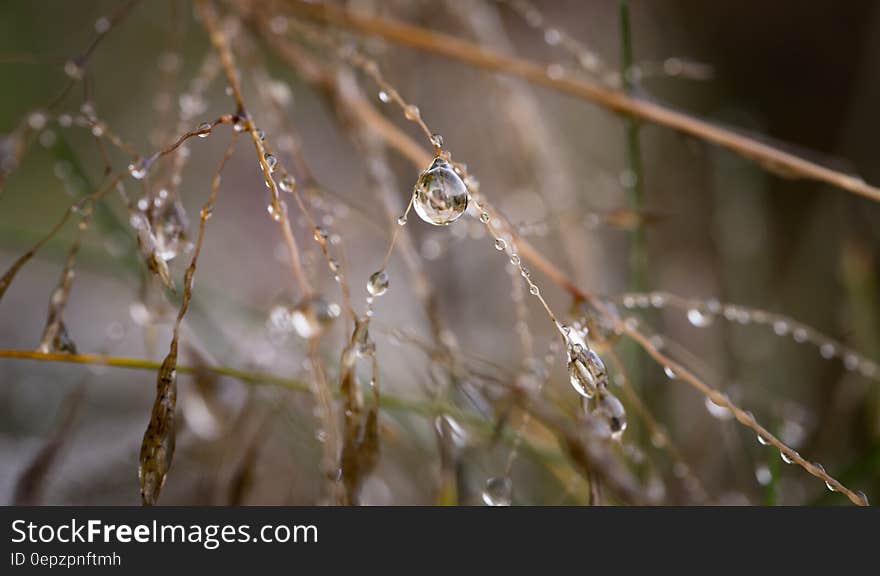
column 205, row 129
column 850, row 361
column 763, row 441
column 448, row 427
column 800, row 335
column 321, row 234
column 102, row 25
column 378, row 283
column 240, row 124
column 500, row 244
column 137, row 170
column 786, row 458
column 271, row 161
column 552, row 36
column 763, row 475
column 260, row 134
column 384, row 97
column 312, row 316
column 612, row 411
column 411, row 112
column 718, row 411
column 484, row 217
column 498, row 491
column 436, row 140
column 440, row 195
column 780, row 327
column 401, row 221
column 670, row 373
column 827, row 350
column 581, row 379
column 73, row 70
column 273, row 213
column 699, row 318
column 534, row 290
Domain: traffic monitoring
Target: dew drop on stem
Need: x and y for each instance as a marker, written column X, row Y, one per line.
column 498, row 491
column 440, row 196
column 378, row 283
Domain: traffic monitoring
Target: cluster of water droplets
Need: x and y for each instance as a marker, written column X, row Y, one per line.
column 702, row 314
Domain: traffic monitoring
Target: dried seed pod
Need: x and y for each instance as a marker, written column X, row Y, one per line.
column 157, row 448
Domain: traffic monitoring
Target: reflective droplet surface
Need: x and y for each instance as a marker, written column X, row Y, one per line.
column 498, row 491
column 312, row 316
column 440, row 196
column 581, row 379
column 699, row 318
column 378, row 283
column 612, row 411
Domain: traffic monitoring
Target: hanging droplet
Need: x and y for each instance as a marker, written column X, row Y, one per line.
column 718, row 411
column 484, row 217
column 378, row 283
column 763, row 441
column 274, row 213
column 440, row 196
column 436, row 140
column 612, row 411
column 204, row 129
column 271, row 161
column 137, row 170
column 401, row 221
column 73, row 70
column 534, row 290
column 500, row 244
column 449, row 428
column 670, row 373
column 412, row 112
column 287, row 184
column 786, row 458
column 699, row 318
column 312, row 316
column 827, row 350
column 582, row 379
column 498, row 491
column 384, row 97
column 260, row 134
column 321, row 234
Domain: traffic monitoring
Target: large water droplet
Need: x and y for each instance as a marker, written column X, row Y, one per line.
column 581, row 379
column 440, row 196
column 378, row 283
column 614, row 414
column 498, row 491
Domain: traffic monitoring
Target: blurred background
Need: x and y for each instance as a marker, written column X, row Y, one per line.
column 716, row 226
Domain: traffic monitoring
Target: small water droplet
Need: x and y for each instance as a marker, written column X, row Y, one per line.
column 484, row 217
column 440, row 195
column 378, row 283
column 500, row 244
column 271, row 161
column 401, row 221
column 287, row 184
column 780, row 327
column 384, row 97
column 763, row 441
column 786, row 458
column 73, row 70
column 102, row 25
column 437, row 140
column 670, row 373
column 312, row 316
column 411, row 112
column 498, row 491
column 718, row 411
column 699, row 318
column 763, row 475
column 137, row 170
column 321, row 234
column 827, row 350
column 205, row 129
